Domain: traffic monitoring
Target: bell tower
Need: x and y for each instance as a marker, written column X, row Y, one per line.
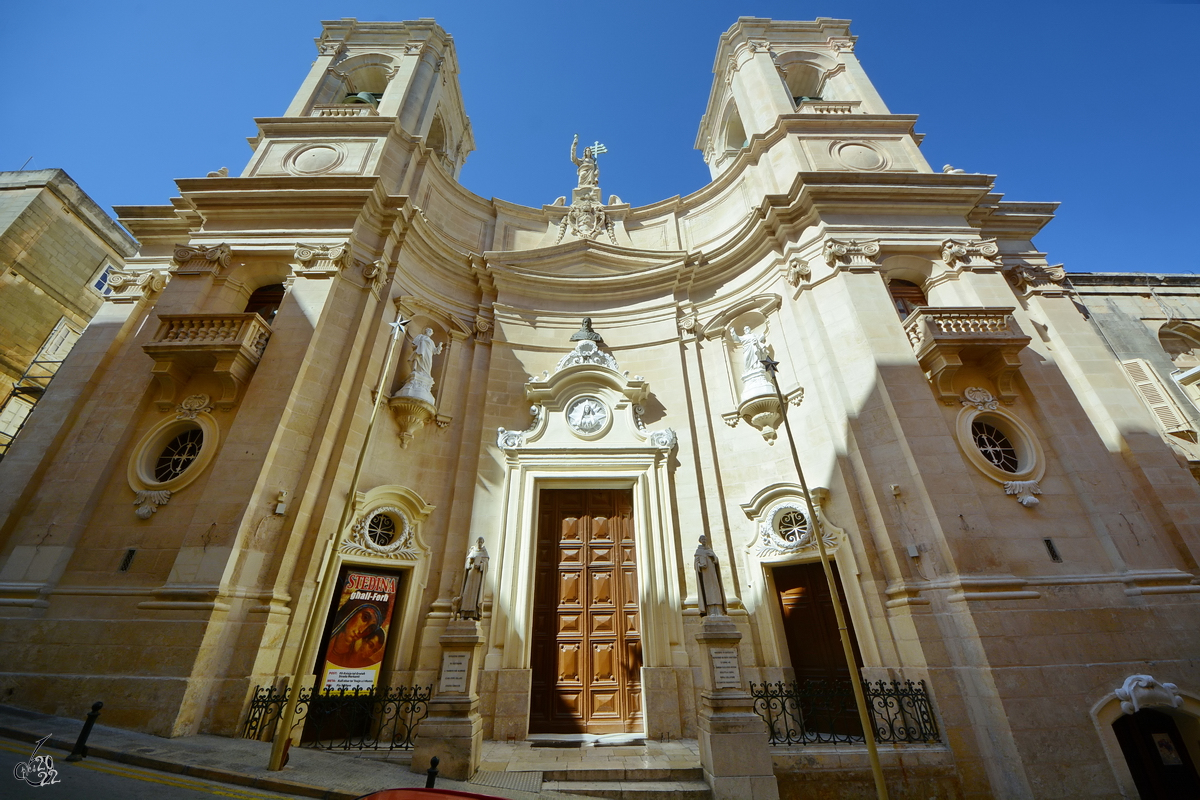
column 375, row 88
column 800, row 81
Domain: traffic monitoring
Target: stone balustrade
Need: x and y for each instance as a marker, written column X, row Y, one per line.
column 828, row 106
column 351, row 110
column 228, row 345
column 943, row 337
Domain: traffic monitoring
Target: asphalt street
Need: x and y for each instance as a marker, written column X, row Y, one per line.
column 97, row 779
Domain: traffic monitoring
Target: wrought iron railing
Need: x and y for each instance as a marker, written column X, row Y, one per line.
column 384, row 718
column 823, row 712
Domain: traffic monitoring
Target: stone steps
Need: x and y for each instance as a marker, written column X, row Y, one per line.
column 686, row 783
column 633, row 789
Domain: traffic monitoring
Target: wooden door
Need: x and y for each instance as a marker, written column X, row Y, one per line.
column 1157, row 755
column 587, row 647
column 814, row 645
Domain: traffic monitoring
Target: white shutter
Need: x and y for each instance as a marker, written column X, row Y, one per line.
column 1155, row 395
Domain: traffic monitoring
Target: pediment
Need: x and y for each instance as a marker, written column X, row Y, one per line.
column 573, row 266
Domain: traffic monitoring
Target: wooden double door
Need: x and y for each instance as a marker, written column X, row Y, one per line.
column 587, row 643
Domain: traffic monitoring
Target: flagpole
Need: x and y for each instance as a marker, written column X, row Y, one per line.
column 311, row 639
column 860, row 700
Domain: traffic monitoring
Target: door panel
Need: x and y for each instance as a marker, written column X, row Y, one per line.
column 586, row 615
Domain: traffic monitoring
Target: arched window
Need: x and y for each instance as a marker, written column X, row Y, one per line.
column 906, row 296
column 265, row 301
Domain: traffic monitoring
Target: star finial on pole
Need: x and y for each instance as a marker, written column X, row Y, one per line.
column 398, row 327
column 770, row 365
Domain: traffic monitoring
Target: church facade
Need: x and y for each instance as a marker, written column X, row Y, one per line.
column 338, row 403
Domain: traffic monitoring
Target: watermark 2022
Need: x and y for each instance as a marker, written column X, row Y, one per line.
column 38, row 770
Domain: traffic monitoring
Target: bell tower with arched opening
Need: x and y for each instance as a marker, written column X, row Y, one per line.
column 378, row 95
column 777, row 80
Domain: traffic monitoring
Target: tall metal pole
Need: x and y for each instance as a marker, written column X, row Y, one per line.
column 860, row 700
column 309, row 644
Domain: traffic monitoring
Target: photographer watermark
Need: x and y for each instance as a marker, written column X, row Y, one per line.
column 38, row 770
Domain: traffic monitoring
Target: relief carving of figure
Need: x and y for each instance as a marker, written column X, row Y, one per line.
column 423, row 352
column 470, row 602
column 710, row 592
column 589, row 171
column 754, row 348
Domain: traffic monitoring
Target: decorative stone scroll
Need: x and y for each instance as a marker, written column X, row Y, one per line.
column 322, row 260
column 129, row 287
column 586, row 352
column 851, row 253
column 969, row 254
column 483, row 329
column 797, row 271
column 1034, row 277
column 1143, row 691
column 511, row 440
column 842, row 45
column 981, row 399
column 189, row 259
column 787, row 531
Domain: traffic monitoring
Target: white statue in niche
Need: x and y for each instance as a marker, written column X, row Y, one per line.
column 469, row 604
column 755, row 382
column 420, row 381
column 423, row 352
column 710, row 592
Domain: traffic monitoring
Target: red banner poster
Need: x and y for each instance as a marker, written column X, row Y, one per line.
column 360, row 629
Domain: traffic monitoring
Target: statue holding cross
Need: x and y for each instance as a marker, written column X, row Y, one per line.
column 589, row 171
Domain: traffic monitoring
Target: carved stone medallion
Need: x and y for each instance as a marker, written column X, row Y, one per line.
column 587, row 416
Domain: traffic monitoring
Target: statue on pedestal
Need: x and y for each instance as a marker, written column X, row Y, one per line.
column 589, row 170
column 469, row 603
column 710, row 592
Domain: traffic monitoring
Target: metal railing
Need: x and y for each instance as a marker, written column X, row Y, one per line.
column 823, row 712
column 383, row 718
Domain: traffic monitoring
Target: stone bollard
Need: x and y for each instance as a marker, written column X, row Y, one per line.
column 453, row 730
column 734, row 745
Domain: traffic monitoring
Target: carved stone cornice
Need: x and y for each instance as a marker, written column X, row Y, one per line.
column 971, row 254
column 853, row 253
column 196, row 260
column 1037, row 278
column 318, row 261
column 130, row 287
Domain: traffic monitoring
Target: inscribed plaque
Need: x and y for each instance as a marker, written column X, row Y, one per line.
column 726, row 674
column 454, row 672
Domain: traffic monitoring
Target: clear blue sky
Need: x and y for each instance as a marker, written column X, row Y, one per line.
column 1094, row 105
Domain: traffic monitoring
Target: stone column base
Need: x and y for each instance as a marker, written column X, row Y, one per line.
column 734, row 749
column 453, row 732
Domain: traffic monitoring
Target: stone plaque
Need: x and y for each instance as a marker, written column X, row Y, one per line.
column 454, row 672
column 726, row 674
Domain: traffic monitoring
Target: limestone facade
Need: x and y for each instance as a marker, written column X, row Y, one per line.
column 1025, row 594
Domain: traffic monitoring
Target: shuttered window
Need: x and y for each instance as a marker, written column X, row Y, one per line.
column 1155, row 395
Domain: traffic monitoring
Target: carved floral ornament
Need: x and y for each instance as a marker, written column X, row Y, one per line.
column 192, row 406
column 786, row 531
column 797, row 270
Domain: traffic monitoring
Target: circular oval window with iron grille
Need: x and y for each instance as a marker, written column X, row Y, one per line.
column 792, row 527
column 381, row 529
column 174, row 452
column 179, row 454
column 998, row 443
column 995, row 446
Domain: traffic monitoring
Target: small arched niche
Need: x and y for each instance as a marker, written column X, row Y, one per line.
column 804, row 81
column 733, row 133
column 1181, row 341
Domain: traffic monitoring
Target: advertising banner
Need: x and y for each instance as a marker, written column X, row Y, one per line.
column 360, row 629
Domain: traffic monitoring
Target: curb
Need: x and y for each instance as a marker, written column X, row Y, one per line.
column 203, row 773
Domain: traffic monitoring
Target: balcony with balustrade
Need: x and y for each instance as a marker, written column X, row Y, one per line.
column 228, row 345
column 945, row 338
